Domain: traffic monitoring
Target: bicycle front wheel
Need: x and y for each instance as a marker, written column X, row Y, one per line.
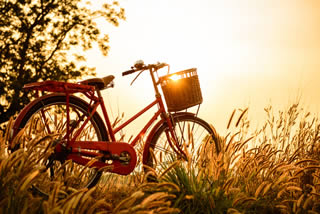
column 45, row 125
column 192, row 134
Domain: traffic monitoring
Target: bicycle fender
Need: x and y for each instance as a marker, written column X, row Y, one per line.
column 154, row 130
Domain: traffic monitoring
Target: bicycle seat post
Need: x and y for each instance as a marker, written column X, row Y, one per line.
column 98, row 93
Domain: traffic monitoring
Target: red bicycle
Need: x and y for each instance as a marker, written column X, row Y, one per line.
column 81, row 141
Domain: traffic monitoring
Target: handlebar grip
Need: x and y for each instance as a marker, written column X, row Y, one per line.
column 128, row 72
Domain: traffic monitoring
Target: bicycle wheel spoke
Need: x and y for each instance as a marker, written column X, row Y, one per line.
column 162, row 149
column 43, row 119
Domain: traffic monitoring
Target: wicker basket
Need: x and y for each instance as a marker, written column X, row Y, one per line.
column 182, row 93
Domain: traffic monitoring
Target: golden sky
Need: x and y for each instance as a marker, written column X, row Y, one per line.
column 249, row 53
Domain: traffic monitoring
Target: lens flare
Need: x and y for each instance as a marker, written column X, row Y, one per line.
column 175, row 77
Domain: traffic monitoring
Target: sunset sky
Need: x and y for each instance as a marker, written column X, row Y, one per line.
column 249, row 53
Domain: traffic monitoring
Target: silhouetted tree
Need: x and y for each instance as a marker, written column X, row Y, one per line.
column 45, row 39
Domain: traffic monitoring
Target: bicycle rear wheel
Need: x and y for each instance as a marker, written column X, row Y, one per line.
column 44, row 125
column 192, row 133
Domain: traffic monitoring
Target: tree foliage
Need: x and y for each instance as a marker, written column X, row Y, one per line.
column 46, row 39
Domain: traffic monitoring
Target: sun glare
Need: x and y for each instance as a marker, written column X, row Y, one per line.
column 175, row 77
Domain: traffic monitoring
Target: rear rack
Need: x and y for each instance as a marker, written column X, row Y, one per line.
column 56, row 86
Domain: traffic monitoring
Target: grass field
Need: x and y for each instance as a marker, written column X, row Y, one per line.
column 273, row 169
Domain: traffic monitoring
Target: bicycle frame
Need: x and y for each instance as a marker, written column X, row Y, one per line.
column 112, row 131
column 78, row 150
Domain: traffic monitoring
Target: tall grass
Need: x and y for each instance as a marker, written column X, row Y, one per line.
column 274, row 169
column 19, row 171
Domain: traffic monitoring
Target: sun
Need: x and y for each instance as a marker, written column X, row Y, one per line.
column 174, row 77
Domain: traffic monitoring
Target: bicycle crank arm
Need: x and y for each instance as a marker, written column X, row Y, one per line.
column 115, row 157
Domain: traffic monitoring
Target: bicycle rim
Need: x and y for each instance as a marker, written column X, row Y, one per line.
column 44, row 126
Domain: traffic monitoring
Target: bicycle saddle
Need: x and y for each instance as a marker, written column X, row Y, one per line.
column 99, row 83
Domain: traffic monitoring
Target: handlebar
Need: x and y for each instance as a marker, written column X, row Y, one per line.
column 140, row 66
column 128, row 72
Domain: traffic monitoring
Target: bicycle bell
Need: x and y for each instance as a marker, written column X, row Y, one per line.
column 139, row 64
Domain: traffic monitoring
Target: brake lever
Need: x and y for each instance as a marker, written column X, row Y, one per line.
column 136, row 77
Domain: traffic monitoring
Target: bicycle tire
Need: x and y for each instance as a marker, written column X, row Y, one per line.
column 77, row 107
column 160, row 145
